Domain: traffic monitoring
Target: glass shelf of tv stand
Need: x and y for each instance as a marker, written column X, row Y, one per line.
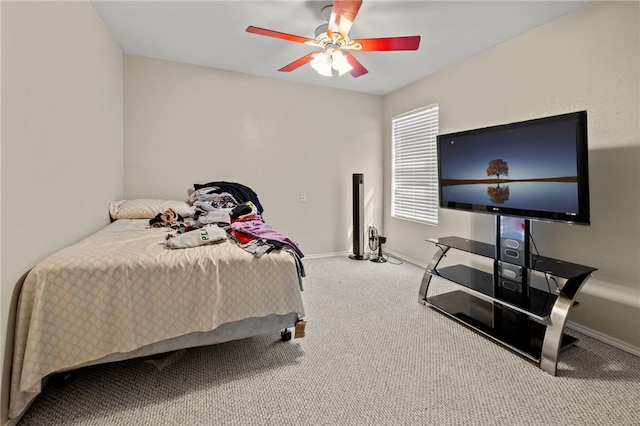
column 520, row 323
column 513, row 329
column 545, row 265
column 535, row 303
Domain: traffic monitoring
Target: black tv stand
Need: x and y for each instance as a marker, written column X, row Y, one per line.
column 528, row 315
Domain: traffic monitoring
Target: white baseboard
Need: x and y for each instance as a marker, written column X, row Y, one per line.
column 406, row 258
column 323, row 255
column 612, row 341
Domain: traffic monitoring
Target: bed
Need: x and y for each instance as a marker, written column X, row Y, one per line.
column 122, row 293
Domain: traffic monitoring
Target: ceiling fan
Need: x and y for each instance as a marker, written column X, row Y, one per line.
column 336, row 46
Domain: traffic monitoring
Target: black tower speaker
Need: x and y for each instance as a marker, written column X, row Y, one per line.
column 358, row 218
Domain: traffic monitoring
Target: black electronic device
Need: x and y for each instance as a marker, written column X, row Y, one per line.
column 535, row 169
column 510, row 272
column 513, row 235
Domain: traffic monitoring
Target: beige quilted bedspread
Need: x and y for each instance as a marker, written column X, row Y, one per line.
column 121, row 289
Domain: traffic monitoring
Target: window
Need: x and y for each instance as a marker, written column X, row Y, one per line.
column 414, row 174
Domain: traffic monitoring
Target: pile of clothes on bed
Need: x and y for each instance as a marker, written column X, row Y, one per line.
column 226, row 209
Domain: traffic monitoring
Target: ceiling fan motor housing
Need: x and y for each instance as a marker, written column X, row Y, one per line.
column 321, row 29
column 326, row 12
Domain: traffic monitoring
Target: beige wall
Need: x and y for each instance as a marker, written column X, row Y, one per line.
column 61, row 145
column 586, row 61
column 186, row 124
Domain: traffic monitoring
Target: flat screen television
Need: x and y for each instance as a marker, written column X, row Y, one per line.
column 536, row 169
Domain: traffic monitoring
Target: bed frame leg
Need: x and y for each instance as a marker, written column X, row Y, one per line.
column 300, row 325
column 285, row 335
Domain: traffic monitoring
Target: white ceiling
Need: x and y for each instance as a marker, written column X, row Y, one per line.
column 212, row 33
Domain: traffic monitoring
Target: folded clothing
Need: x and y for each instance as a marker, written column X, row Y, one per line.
column 216, row 216
column 209, row 234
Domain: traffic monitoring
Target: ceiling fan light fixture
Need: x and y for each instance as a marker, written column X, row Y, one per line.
column 324, row 62
column 340, row 63
column 321, row 62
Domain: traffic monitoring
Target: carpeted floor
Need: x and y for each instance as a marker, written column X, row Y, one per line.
column 372, row 355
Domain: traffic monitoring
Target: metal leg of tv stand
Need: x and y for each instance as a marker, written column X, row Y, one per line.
column 426, row 278
column 555, row 329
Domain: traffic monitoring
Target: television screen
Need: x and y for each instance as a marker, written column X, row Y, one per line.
column 536, row 169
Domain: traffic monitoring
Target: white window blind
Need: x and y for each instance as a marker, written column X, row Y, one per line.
column 414, row 185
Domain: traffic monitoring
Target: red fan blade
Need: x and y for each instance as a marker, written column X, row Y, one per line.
column 343, row 14
column 389, row 43
column 358, row 69
column 276, row 34
column 298, row 62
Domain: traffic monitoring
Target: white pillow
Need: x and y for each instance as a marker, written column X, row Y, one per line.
column 145, row 208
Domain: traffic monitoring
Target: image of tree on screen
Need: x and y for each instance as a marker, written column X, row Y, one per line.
column 498, row 167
